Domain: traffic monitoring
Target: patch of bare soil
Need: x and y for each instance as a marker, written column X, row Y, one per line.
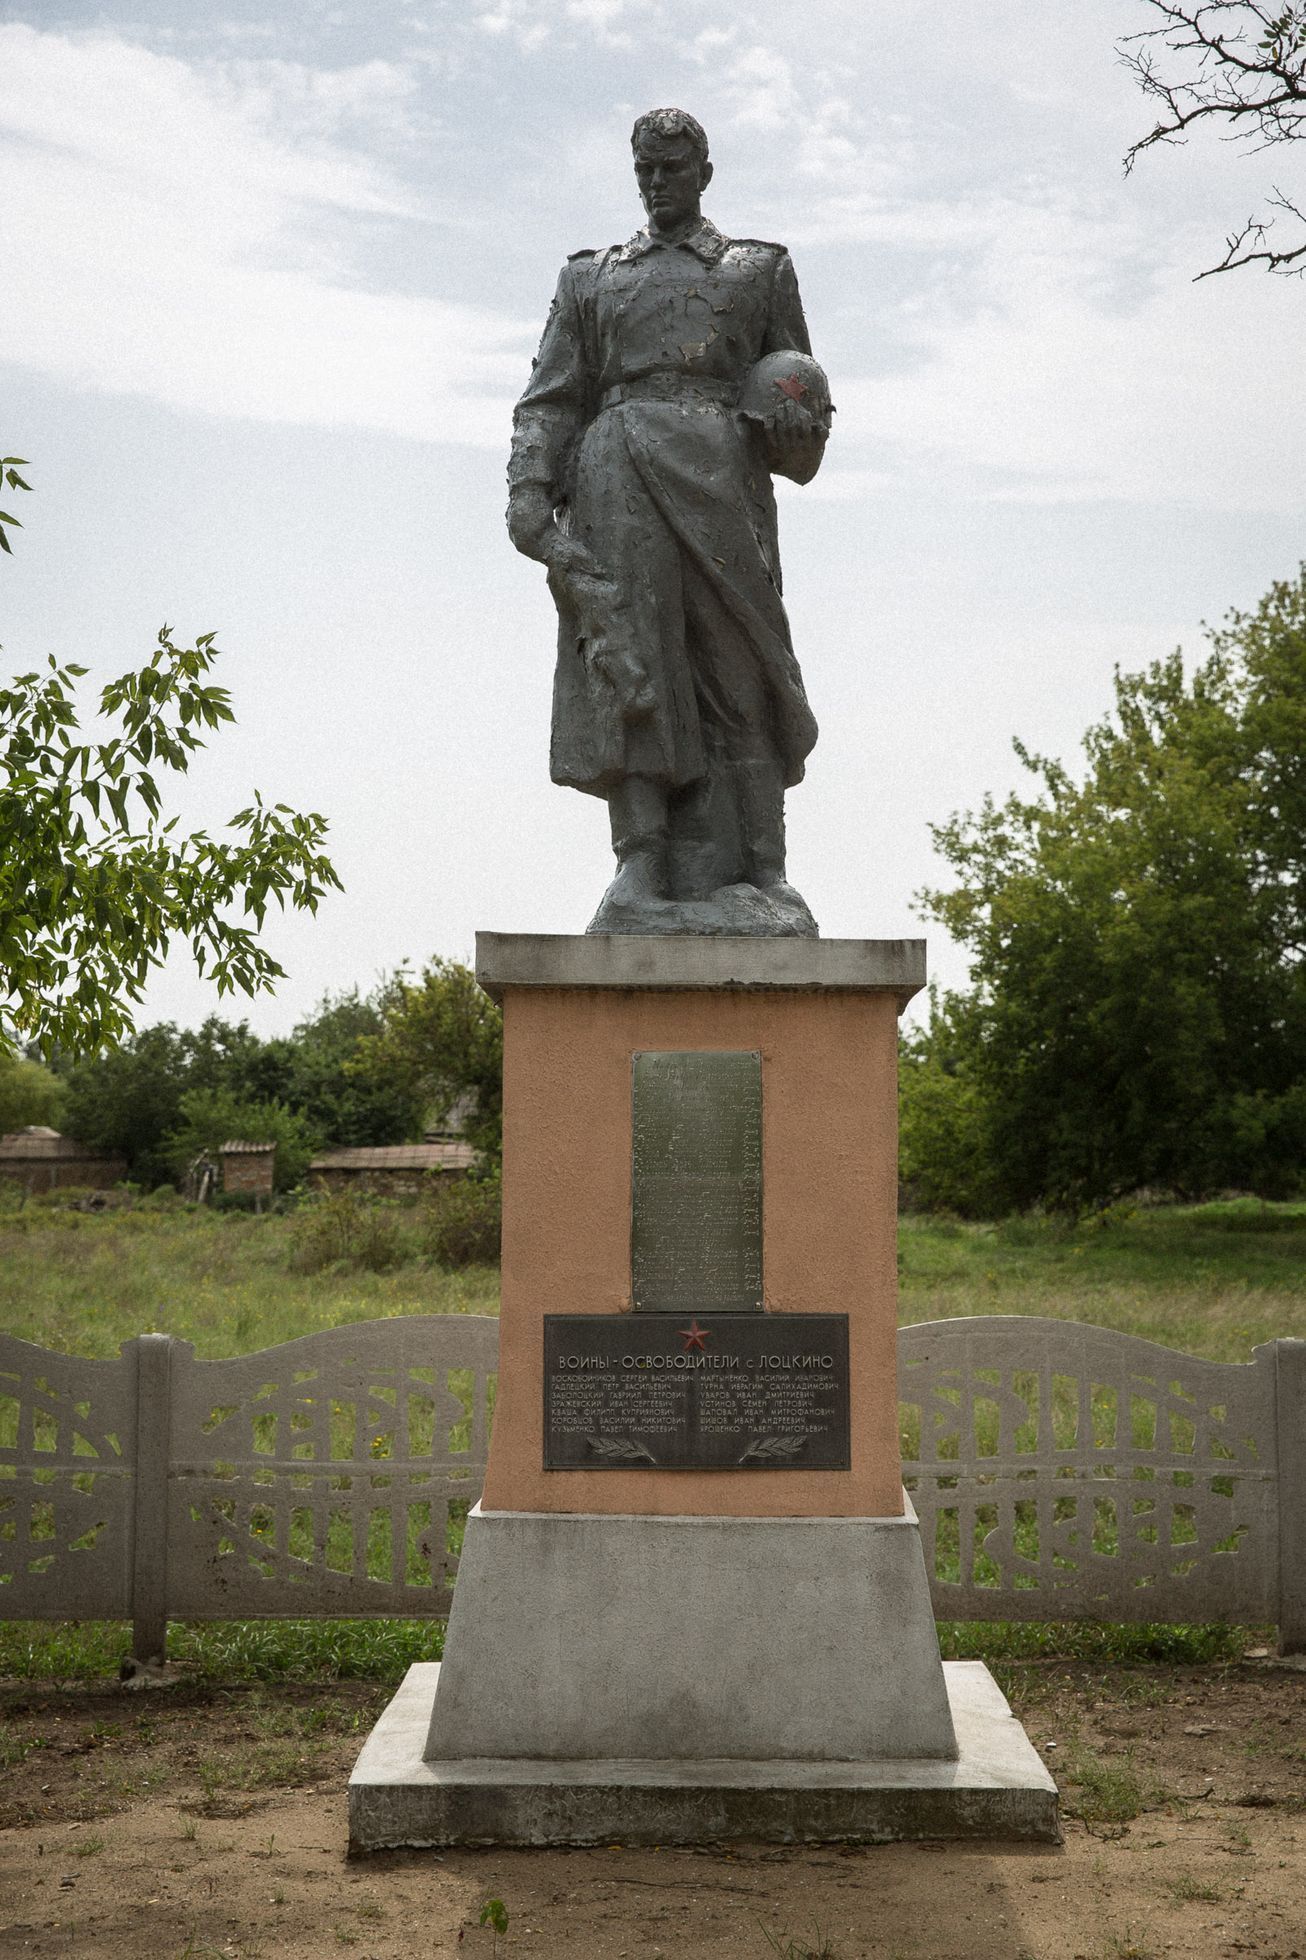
column 182, row 1824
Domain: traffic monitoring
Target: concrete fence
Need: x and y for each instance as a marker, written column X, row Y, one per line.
column 1059, row 1471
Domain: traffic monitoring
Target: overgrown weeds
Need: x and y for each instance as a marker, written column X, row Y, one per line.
column 790, row 1947
column 1130, row 1946
column 226, row 1281
column 456, row 1223
column 349, row 1233
column 1103, row 1792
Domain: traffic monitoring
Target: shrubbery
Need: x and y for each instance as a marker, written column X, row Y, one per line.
column 346, row 1229
column 464, row 1217
column 455, row 1224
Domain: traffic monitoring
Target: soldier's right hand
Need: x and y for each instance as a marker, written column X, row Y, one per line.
column 570, row 562
column 530, row 520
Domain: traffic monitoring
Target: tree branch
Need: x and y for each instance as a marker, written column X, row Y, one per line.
column 1254, row 236
column 1237, row 62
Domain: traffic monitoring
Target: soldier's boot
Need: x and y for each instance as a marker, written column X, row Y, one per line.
column 759, row 788
column 703, row 833
column 638, row 810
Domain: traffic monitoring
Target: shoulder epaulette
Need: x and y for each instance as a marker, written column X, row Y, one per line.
column 590, row 252
column 765, row 244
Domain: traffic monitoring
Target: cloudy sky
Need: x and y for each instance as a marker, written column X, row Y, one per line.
column 272, row 276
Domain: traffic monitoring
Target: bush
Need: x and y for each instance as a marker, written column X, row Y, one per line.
column 164, row 1197
column 463, row 1222
column 348, row 1230
column 84, row 1197
column 457, row 1224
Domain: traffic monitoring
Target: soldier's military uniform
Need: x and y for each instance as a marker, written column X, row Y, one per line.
column 629, row 423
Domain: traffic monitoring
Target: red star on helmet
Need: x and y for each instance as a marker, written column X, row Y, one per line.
column 793, row 387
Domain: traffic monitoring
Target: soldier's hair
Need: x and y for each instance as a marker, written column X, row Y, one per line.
column 672, row 123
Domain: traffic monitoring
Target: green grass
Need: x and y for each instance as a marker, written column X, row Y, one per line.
column 1103, row 1642
column 233, row 1651
column 244, row 1651
column 84, row 1283
column 1213, row 1279
column 1210, row 1279
column 1101, row 1792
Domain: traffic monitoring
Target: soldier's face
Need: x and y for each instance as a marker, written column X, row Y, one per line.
column 671, row 180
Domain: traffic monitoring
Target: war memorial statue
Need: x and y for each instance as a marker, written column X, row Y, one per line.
column 673, row 380
column 696, row 1405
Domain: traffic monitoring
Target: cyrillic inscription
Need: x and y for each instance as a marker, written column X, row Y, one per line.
column 696, row 1204
column 722, row 1392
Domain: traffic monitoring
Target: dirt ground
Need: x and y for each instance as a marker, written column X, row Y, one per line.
column 181, row 1824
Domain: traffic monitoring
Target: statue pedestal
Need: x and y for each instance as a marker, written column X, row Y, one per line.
column 692, row 1602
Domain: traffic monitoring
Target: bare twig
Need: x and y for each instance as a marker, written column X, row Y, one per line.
column 1250, row 246
column 1236, row 62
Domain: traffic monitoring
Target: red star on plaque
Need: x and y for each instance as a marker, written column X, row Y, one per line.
column 694, row 1336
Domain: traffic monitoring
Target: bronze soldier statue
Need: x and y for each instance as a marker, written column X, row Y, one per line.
column 674, row 377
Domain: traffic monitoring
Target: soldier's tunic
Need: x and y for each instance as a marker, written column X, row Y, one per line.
column 629, row 421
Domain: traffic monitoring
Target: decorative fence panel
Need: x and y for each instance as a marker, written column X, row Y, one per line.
column 67, row 1482
column 331, row 1475
column 1059, row 1471
column 1062, row 1471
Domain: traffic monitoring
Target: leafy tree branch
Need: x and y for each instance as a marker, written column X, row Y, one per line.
column 96, row 882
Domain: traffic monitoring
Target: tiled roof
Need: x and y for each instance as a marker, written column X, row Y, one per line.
column 398, row 1157
column 238, row 1149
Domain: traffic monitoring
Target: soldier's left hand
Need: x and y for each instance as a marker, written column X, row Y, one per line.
column 796, row 441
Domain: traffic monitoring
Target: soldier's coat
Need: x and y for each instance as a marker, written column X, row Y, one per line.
column 629, row 420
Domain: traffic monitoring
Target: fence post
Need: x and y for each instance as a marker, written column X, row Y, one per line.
column 150, row 1496
column 1290, row 1437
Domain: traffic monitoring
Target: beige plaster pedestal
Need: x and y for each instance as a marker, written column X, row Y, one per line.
column 664, row 1655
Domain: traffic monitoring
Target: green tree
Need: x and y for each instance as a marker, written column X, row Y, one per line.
column 946, row 1160
column 125, row 1101
column 29, row 1094
column 95, row 883
column 441, row 1039
column 313, row 1070
column 1138, row 1009
column 208, row 1118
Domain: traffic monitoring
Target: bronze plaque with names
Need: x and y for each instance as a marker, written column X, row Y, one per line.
column 702, row 1391
column 696, row 1184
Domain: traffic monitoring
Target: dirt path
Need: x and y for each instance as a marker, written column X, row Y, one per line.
column 187, row 1823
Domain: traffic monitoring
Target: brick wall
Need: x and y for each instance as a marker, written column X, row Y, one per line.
column 248, row 1172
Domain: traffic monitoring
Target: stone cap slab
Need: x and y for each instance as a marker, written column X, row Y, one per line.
column 672, row 962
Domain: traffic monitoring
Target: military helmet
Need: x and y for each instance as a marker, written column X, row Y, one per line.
column 790, row 374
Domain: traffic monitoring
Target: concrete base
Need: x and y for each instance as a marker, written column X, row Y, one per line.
column 580, row 1636
column 996, row 1787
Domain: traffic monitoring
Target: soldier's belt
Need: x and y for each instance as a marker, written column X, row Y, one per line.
column 669, row 387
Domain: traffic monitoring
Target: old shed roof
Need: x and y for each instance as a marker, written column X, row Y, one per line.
column 451, row 1156
column 39, row 1142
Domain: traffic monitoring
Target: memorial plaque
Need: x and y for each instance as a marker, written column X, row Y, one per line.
column 696, row 1186
column 722, row 1392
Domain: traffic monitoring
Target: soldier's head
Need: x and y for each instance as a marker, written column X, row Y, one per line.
column 671, row 166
